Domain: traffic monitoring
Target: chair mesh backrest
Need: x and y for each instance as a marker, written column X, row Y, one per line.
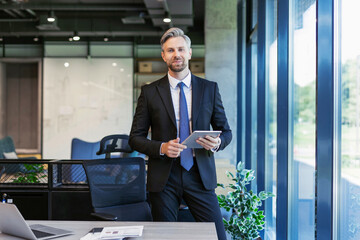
column 116, row 181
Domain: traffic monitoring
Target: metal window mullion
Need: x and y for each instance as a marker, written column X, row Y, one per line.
column 282, row 121
column 241, row 73
column 261, row 96
column 248, row 87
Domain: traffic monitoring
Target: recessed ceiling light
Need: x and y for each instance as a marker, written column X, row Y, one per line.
column 51, row 17
column 106, row 39
column 121, row 69
column 66, row 64
column 114, row 64
column 76, row 36
column 167, row 20
column 36, row 39
column 70, row 39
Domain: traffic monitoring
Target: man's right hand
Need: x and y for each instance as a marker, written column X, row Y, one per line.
column 172, row 148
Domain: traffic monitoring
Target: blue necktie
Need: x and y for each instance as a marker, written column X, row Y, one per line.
column 186, row 157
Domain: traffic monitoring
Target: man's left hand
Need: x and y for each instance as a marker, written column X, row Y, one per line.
column 209, row 142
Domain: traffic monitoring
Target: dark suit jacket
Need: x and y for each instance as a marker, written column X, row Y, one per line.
column 155, row 110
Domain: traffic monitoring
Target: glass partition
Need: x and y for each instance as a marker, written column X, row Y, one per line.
column 271, row 118
column 350, row 121
column 302, row 77
column 86, row 99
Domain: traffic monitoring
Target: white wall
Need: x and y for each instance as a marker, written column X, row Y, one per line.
column 89, row 99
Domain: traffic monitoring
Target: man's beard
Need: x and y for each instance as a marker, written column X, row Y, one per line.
column 177, row 67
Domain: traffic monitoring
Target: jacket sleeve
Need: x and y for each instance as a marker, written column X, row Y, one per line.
column 140, row 127
column 219, row 120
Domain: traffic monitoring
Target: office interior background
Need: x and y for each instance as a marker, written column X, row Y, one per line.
column 288, row 72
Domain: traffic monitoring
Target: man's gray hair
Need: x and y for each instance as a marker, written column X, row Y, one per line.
column 174, row 32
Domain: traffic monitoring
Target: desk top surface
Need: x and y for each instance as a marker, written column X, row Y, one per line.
column 152, row 230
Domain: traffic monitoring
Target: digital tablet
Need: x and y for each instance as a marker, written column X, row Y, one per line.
column 190, row 141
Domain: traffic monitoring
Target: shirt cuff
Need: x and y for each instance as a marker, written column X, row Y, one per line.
column 217, row 146
column 161, row 154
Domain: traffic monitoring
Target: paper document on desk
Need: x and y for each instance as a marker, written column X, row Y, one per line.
column 94, row 234
column 121, row 232
column 91, row 236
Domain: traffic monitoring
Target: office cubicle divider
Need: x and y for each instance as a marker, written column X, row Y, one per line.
column 51, row 194
column 46, row 194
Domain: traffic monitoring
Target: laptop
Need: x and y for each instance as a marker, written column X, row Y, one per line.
column 12, row 223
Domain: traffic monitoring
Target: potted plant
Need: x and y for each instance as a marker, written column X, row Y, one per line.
column 32, row 173
column 246, row 218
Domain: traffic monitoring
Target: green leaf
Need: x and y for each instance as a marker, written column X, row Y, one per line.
column 240, row 166
column 229, row 174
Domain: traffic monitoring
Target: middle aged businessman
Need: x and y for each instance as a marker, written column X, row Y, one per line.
column 171, row 107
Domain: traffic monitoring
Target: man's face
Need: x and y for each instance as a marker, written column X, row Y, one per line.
column 176, row 54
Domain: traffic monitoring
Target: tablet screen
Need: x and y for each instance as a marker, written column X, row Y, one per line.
column 190, row 141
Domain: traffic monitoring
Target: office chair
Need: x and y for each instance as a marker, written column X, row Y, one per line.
column 83, row 150
column 117, row 185
column 7, row 146
column 80, row 150
column 116, row 143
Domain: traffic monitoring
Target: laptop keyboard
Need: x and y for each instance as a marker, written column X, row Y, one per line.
column 40, row 234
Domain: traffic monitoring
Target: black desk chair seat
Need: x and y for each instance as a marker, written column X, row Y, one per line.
column 127, row 212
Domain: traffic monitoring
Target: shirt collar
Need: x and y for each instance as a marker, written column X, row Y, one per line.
column 174, row 82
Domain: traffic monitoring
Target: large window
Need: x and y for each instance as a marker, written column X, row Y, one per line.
column 314, row 170
column 350, row 121
column 302, row 124
column 271, row 126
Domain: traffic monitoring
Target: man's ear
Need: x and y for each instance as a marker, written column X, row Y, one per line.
column 163, row 55
column 190, row 53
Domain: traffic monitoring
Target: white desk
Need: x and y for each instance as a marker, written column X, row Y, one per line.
column 152, row 230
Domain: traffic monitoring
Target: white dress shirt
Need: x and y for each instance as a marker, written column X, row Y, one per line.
column 175, row 95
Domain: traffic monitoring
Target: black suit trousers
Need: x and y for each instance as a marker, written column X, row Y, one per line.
column 187, row 185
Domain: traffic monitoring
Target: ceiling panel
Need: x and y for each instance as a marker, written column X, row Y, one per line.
column 138, row 19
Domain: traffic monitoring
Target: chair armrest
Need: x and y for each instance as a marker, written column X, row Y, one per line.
column 104, row 216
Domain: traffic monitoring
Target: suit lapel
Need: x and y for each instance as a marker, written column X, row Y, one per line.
column 197, row 96
column 165, row 94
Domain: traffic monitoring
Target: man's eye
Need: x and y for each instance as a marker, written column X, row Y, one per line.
column 170, row 50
